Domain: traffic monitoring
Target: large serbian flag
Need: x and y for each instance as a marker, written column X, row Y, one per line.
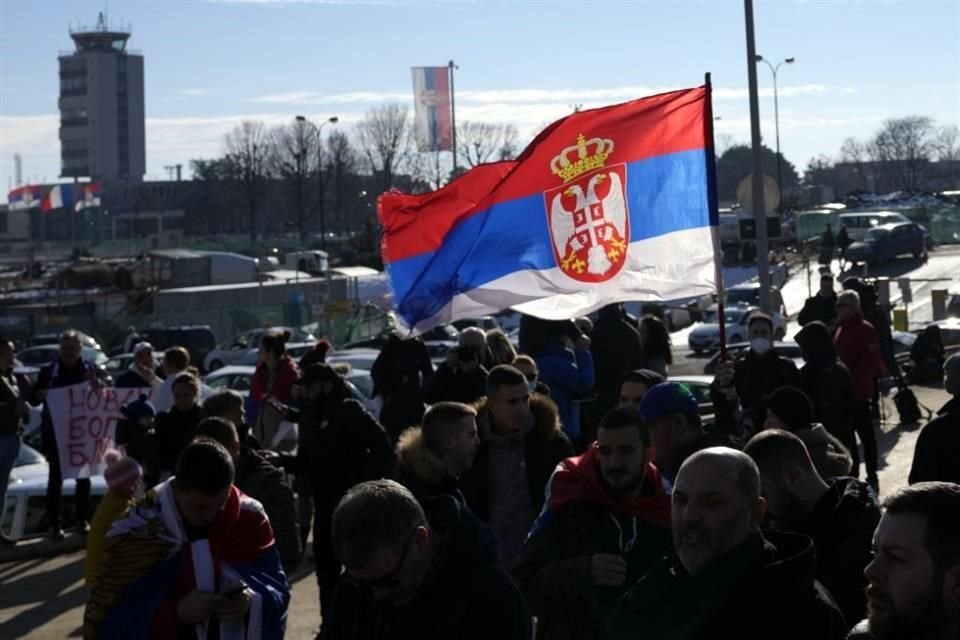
column 433, row 117
column 605, row 205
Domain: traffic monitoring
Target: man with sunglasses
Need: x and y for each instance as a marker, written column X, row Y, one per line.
column 418, row 572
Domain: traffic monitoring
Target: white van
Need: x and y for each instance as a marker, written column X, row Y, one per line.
column 860, row 222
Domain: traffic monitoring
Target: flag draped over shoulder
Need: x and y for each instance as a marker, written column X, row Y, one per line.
column 605, row 205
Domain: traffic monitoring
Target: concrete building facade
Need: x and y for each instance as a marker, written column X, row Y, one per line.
column 102, row 107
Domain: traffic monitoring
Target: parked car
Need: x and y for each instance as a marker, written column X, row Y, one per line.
column 54, row 338
column 888, row 241
column 789, row 349
column 198, row 340
column 356, row 358
column 243, row 343
column 42, row 355
column 706, row 336
column 240, row 377
column 699, row 386
column 24, row 512
column 749, row 293
column 295, row 350
column 438, row 341
column 119, row 363
column 487, row 323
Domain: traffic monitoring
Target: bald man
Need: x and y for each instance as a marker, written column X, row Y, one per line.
column 726, row 579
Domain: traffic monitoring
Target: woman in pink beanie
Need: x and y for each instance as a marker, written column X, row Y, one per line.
column 123, row 476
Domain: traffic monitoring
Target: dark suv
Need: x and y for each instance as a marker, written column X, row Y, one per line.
column 198, row 340
column 886, row 242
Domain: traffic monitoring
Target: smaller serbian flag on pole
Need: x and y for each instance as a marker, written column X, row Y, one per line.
column 605, row 205
column 432, row 114
column 60, row 196
column 26, row 197
column 89, row 196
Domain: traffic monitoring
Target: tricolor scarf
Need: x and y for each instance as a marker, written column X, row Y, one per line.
column 150, row 563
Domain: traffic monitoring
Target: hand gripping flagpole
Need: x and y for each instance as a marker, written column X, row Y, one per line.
column 711, row 160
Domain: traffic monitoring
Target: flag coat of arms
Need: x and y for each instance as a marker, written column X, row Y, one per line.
column 433, row 117
column 606, row 205
column 25, row 197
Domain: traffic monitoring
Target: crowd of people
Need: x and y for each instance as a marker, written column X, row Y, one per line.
column 564, row 489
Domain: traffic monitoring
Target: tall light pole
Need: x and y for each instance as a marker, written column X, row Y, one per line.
column 776, row 120
column 318, row 130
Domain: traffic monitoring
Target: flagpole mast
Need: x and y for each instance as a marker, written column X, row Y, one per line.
column 714, row 210
column 759, row 207
column 453, row 121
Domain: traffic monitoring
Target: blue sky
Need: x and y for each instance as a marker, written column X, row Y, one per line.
column 211, row 64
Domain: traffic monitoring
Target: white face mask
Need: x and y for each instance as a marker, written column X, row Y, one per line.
column 532, row 385
column 760, row 345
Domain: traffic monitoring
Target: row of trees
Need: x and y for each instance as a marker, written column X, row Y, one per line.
column 909, row 154
column 290, row 175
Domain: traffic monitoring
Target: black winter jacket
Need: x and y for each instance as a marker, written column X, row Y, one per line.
column 265, row 483
column 819, row 308
column 546, row 445
column 617, row 350
column 826, row 381
column 755, row 377
column 841, row 526
column 763, row 589
column 340, row 445
column 937, row 453
column 455, row 385
column 467, row 595
column 173, row 431
column 13, row 388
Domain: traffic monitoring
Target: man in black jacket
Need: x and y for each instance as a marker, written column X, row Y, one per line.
column 340, row 444
column 937, row 453
column 401, row 375
column 606, row 522
column 616, row 348
column 68, row 369
column 840, row 515
column 463, row 377
column 726, row 580
column 750, row 378
column 418, row 572
column 521, row 443
column 264, row 483
column 431, row 458
column 913, row 590
column 822, row 306
column 827, row 382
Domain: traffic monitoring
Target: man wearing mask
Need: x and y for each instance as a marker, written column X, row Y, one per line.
column 822, row 306
column 68, row 369
column 606, row 522
column 751, row 377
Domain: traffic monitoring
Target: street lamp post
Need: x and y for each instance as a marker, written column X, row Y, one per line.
column 776, row 120
column 318, row 130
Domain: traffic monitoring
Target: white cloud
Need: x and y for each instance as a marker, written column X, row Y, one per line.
column 523, row 96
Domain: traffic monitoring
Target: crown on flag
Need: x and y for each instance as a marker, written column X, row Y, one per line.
column 589, row 155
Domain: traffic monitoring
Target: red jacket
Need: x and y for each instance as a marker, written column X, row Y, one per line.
column 281, row 383
column 858, row 347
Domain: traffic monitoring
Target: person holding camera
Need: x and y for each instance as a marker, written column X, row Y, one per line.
column 462, row 378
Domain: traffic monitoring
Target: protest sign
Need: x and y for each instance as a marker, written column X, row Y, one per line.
column 84, row 422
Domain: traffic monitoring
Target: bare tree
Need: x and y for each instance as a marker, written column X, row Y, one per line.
column 856, row 154
column 340, row 166
column 248, row 153
column 294, row 160
column 906, row 145
column 946, row 144
column 385, row 136
column 480, row 142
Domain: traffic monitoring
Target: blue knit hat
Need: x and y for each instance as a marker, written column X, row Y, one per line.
column 139, row 408
column 667, row 398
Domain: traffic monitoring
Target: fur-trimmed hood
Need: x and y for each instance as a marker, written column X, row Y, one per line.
column 414, row 459
column 546, row 417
